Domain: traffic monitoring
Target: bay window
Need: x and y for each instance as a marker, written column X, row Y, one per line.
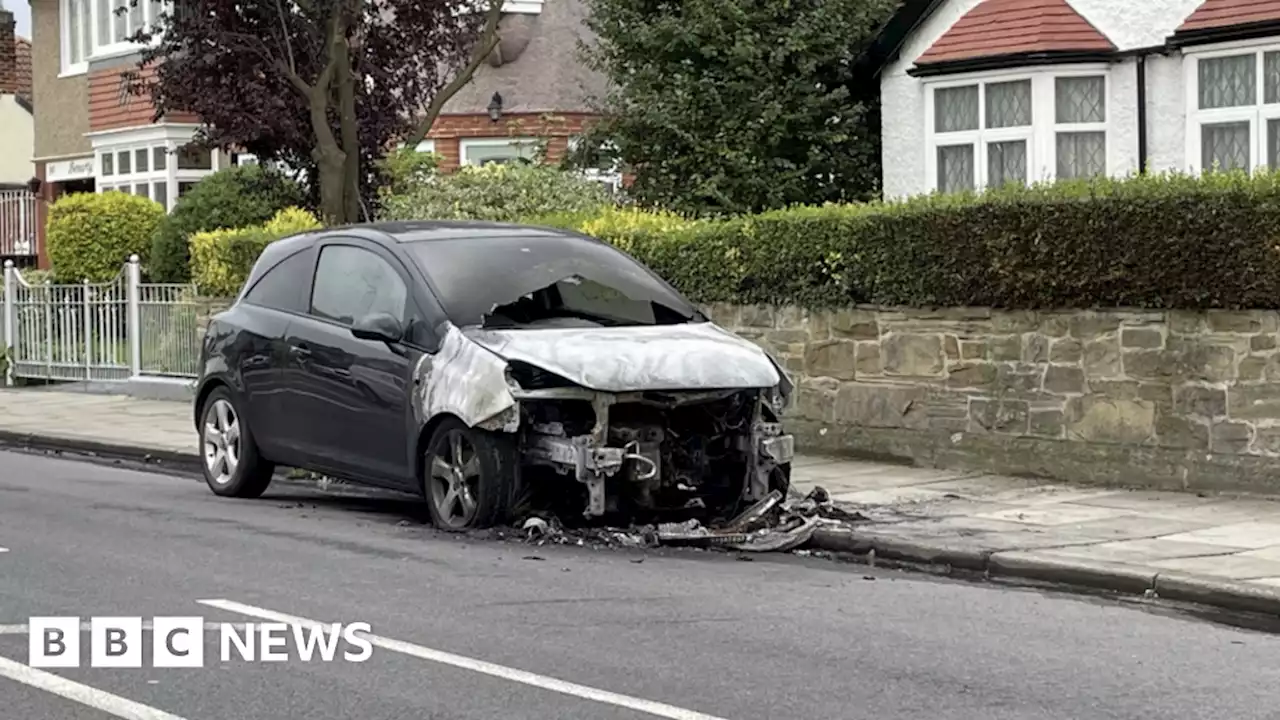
column 1002, row 129
column 1233, row 112
column 163, row 170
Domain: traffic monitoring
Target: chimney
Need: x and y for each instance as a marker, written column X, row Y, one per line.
column 8, row 55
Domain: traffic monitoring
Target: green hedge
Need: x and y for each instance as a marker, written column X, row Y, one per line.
column 91, row 235
column 1167, row 241
column 503, row 193
column 230, row 198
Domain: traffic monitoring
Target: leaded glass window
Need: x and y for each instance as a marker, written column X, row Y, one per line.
column 1228, row 81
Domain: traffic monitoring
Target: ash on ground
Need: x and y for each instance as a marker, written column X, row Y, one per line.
column 770, row 525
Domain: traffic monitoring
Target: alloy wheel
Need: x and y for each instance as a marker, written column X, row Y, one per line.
column 455, row 480
column 221, row 441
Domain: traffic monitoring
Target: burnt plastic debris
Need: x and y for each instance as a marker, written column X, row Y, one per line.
column 769, row 525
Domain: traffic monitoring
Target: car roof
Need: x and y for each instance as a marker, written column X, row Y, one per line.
column 414, row 231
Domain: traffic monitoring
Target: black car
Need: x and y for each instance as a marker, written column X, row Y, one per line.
column 486, row 366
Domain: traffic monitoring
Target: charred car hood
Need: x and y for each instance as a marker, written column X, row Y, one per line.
column 696, row 356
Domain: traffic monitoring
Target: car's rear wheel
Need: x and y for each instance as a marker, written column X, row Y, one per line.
column 232, row 465
column 468, row 475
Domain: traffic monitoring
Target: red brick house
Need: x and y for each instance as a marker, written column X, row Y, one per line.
column 92, row 137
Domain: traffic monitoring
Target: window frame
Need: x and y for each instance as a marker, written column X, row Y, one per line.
column 1041, row 135
column 465, row 144
column 94, row 49
column 1257, row 115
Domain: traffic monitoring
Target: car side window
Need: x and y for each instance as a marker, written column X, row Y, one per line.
column 352, row 282
column 280, row 288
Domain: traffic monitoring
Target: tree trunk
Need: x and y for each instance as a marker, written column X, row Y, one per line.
column 349, row 130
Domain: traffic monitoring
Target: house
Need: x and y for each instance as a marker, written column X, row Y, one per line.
column 17, row 128
column 92, row 136
column 977, row 93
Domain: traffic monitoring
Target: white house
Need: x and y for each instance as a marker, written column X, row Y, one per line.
column 977, row 93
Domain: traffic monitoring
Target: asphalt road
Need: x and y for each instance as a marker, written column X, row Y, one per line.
column 476, row 630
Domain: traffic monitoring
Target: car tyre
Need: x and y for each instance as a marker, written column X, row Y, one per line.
column 468, row 476
column 233, row 467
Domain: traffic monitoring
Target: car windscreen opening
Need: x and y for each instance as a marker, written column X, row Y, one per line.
column 547, row 281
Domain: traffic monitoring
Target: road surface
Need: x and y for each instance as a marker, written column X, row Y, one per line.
column 476, row 630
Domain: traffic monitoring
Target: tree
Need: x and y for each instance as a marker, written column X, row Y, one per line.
column 323, row 85
column 739, row 105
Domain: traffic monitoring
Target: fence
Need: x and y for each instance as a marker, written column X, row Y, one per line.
column 116, row 330
column 17, row 222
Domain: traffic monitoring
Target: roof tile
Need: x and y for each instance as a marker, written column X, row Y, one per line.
column 1213, row 14
column 1008, row 27
column 23, row 51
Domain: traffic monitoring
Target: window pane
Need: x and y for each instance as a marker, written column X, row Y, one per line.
column 1006, row 163
column 352, row 283
column 1271, row 77
column 86, row 28
column 135, row 14
column 140, row 160
column 499, row 153
column 159, row 158
column 184, row 187
column 104, row 22
column 156, row 10
column 1080, row 100
column 119, row 20
column 141, row 189
column 108, row 164
column 1009, row 104
column 122, row 163
column 955, row 109
column 160, row 192
column 193, row 158
column 283, row 286
column 955, row 168
column 1082, row 155
column 1224, row 146
column 73, row 33
column 1228, row 81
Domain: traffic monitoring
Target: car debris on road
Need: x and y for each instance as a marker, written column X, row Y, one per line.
column 770, row 525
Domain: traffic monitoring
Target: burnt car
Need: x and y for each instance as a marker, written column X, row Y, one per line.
column 486, row 367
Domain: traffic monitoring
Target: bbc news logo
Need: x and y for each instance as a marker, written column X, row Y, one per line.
column 179, row 642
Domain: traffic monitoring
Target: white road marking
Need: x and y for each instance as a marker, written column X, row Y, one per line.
column 97, row 699
column 480, row 666
column 23, row 629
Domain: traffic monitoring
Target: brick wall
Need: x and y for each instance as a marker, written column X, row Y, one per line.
column 1169, row 400
column 557, row 128
column 8, row 55
column 113, row 106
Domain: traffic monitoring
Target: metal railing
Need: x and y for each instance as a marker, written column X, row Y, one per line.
column 17, row 222
column 116, row 330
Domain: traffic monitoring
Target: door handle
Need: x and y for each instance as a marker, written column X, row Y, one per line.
column 302, row 352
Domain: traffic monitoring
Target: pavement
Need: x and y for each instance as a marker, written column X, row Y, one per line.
column 481, row 629
column 1213, row 550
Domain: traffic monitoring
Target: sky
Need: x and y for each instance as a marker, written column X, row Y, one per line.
column 22, row 13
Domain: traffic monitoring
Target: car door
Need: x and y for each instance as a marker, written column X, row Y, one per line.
column 262, row 318
column 351, row 397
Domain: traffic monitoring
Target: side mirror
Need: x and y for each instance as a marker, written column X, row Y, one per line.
column 379, row 327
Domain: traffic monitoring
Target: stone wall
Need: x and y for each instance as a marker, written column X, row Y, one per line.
column 1171, row 400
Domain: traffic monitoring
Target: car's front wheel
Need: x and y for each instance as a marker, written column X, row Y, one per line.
column 232, row 465
column 467, row 476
